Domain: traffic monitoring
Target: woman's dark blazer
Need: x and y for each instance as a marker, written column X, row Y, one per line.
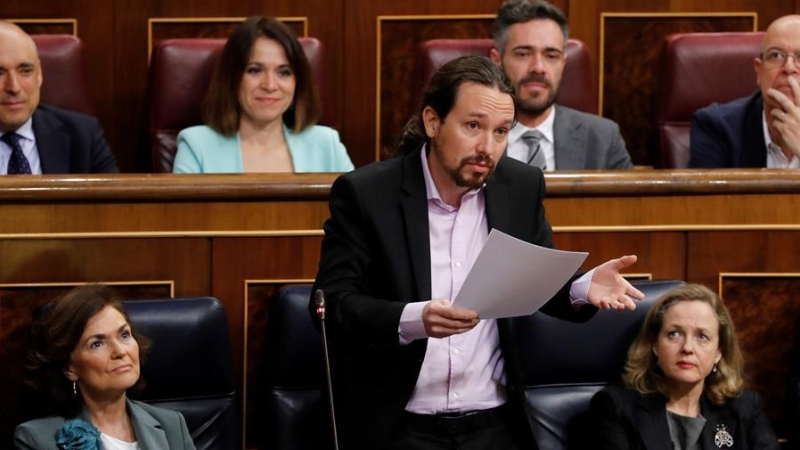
column 625, row 419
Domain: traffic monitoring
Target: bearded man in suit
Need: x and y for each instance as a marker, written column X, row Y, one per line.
column 529, row 38
column 411, row 370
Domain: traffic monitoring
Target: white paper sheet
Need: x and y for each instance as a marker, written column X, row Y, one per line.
column 515, row 278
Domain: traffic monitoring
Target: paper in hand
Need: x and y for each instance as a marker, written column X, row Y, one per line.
column 512, row 278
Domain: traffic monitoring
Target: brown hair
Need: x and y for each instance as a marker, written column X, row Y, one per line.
column 56, row 333
column 442, row 92
column 221, row 109
column 642, row 372
column 520, row 11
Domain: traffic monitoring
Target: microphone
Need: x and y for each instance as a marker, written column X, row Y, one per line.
column 319, row 300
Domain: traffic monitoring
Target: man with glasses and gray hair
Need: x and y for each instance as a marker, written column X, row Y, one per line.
column 762, row 130
column 529, row 39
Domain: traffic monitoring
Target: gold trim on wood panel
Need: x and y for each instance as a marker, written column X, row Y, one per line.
column 379, row 37
column 170, row 283
column 319, row 232
column 638, row 276
column 161, row 234
column 652, row 15
column 246, row 304
column 73, row 22
column 697, row 227
column 753, row 275
column 154, row 20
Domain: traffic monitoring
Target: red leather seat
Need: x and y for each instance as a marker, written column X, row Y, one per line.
column 64, row 74
column 180, row 72
column 700, row 69
column 577, row 86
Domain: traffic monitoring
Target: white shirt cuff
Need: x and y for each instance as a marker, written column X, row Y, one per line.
column 411, row 326
column 579, row 291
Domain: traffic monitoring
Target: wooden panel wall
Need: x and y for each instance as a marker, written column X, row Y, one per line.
column 239, row 238
column 115, row 34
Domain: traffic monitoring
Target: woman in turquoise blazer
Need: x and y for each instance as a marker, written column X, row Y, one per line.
column 260, row 110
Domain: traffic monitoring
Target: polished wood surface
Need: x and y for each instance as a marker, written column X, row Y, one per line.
column 240, row 237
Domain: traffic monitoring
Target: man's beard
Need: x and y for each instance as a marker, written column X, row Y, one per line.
column 535, row 107
column 474, row 180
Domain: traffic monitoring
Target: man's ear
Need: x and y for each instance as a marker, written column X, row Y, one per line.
column 494, row 55
column 431, row 121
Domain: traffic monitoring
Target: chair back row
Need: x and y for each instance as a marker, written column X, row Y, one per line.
column 565, row 364
column 180, row 71
column 700, row 69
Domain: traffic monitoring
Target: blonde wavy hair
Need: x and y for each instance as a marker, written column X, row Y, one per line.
column 642, row 371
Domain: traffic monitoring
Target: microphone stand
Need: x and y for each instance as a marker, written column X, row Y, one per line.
column 319, row 300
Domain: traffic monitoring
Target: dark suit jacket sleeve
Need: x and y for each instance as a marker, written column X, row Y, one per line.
column 759, row 433
column 101, row 158
column 707, row 138
column 618, row 157
column 347, row 255
column 609, row 423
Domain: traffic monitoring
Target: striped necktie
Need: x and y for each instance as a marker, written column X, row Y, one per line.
column 535, row 154
column 18, row 164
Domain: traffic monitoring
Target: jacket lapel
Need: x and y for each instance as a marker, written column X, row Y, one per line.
column 414, row 205
column 651, row 422
column 148, row 431
column 755, row 149
column 84, row 416
column 51, row 142
column 567, row 137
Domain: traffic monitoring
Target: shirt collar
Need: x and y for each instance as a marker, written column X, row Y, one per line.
column 26, row 130
column 430, row 186
column 546, row 128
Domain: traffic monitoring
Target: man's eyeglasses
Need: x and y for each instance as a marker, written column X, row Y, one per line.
column 775, row 58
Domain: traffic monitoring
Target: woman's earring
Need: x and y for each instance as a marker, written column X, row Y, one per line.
column 715, row 368
column 75, row 386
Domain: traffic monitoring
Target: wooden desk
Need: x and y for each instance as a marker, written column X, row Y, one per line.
column 240, row 237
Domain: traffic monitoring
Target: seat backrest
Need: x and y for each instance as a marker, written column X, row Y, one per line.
column 700, row 69
column 565, row 364
column 180, row 72
column 577, row 89
column 64, row 81
column 295, row 375
column 190, row 368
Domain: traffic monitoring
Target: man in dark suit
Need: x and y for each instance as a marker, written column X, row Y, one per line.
column 411, row 370
column 529, row 39
column 34, row 138
column 762, row 130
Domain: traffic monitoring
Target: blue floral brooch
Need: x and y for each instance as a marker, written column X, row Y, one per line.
column 77, row 435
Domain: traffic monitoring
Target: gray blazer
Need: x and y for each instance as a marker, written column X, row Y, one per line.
column 155, row 428
column 585, row 142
